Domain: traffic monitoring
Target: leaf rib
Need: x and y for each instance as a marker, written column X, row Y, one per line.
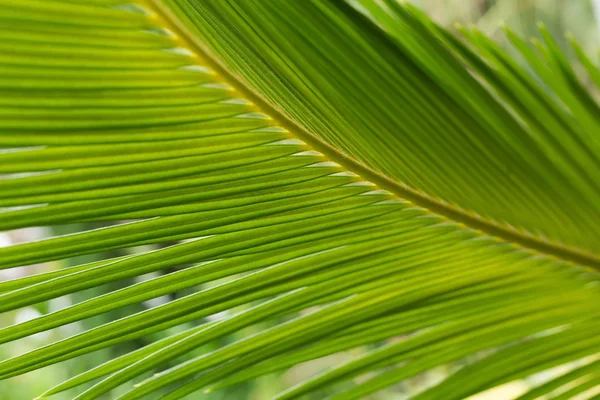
column 166, row 17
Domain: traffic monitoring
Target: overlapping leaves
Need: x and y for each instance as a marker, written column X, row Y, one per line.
column 259, row 138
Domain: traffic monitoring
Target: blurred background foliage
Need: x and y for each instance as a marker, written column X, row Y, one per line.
column 578, row 17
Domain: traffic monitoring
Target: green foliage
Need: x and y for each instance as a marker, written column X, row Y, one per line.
column 311, row 178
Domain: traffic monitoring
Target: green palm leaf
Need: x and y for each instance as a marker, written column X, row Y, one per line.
column 329, row 175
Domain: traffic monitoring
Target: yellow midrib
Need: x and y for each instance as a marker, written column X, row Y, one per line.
column 167, row 19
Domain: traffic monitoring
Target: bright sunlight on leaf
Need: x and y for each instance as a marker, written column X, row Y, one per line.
column 240, row 188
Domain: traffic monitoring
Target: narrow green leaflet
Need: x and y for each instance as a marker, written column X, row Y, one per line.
column 303, row 178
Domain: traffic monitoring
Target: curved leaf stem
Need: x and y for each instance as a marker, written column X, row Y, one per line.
column 452, row 212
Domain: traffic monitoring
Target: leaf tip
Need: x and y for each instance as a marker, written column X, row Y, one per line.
column 535, row 41
column 570, row 36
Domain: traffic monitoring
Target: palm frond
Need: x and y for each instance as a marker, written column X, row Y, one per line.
column 333, row 174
